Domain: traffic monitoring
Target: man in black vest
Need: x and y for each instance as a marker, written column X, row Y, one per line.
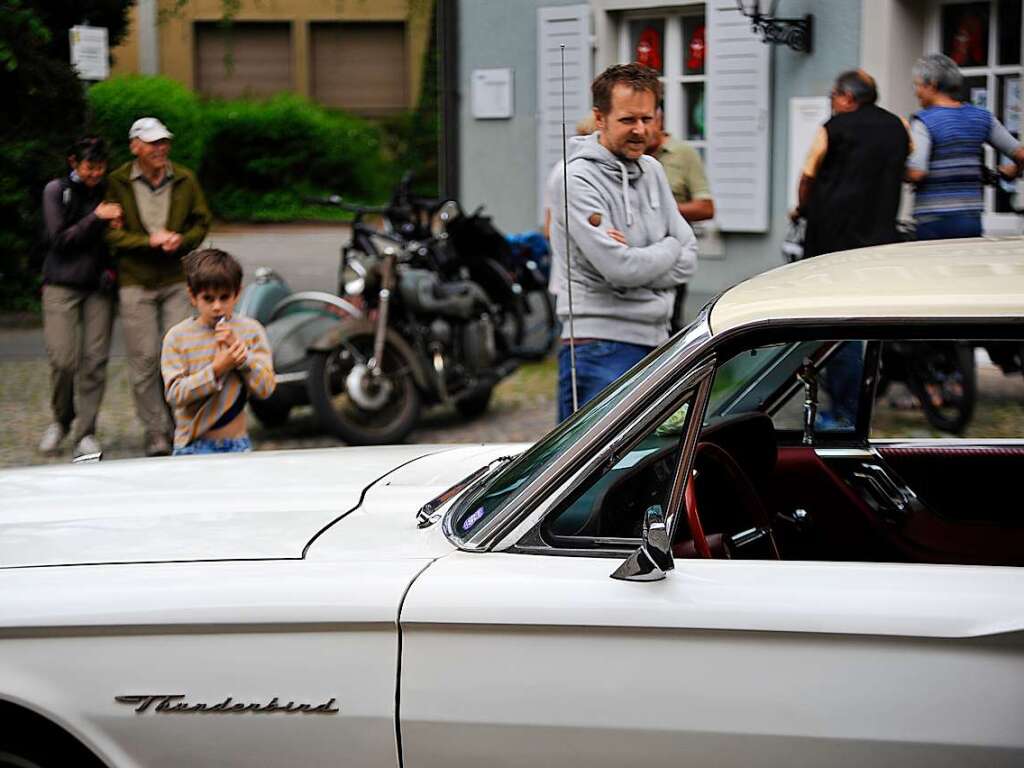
column 850, row 195
column 852, row 179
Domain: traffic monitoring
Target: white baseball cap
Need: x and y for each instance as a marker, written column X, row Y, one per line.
column 149, row 129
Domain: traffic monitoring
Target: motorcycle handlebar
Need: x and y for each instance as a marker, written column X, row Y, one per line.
column 338, row 202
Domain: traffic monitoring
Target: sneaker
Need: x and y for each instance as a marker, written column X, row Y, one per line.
column 157, row 445
column 88, row 444
column 52, row 437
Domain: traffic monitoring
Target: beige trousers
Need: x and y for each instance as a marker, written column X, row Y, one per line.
column 76, row 329
column 146, row 315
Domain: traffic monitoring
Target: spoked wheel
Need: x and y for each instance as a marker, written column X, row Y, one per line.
column 942, row 376
column 358, row 405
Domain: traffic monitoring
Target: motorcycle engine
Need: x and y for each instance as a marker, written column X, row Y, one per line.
column 479, row 348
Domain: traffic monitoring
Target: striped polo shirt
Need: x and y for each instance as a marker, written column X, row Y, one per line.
column 196, row 396
column 953, row 183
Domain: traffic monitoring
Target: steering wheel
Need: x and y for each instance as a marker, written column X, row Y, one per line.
column 716, row 545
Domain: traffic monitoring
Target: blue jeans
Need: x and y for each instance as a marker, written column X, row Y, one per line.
column 598, row 364
column 948, row 225
column 842, row 380
column 227, row 445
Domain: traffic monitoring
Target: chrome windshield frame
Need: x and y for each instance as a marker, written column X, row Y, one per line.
column 529, row 500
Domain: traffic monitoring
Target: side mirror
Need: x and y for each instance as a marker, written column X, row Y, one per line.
column 654, row 558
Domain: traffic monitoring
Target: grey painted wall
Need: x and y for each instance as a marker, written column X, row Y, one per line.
column 498, row 157
column 836, row 48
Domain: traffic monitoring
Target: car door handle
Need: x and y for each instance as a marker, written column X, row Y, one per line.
column 892, row 500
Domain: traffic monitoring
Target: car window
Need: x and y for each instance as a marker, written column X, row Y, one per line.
column 478, row 507
column 964, row 388
column 767, row 379
column 611, row 503
column 839, row 380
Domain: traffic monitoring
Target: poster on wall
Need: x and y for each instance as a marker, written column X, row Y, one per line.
column 90, row 52
column 806, row 115
column 1011, row 102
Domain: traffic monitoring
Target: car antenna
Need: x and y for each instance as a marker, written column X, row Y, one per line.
column 568, row 267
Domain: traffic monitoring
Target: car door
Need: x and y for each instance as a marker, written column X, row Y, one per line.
column 535, row 656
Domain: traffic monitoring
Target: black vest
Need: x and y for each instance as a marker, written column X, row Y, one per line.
column 856, row 195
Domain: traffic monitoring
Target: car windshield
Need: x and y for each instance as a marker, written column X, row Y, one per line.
column 472, row 512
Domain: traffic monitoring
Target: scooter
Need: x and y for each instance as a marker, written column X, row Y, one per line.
column 293, row 321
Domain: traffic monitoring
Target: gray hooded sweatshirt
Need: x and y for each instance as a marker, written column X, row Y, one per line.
column 620, row 292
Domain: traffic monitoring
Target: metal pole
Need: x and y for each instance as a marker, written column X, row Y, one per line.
column 568, row 261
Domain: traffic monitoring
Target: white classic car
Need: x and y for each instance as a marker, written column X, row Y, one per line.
column 714, row 563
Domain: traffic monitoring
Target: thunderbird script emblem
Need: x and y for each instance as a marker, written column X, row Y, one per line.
column 176, row 704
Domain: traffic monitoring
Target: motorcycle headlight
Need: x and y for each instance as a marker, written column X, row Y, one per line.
column 439, row 221
column 353, row 273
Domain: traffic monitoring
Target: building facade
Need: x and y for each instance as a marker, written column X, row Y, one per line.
column 750, row 108
column 364, row 57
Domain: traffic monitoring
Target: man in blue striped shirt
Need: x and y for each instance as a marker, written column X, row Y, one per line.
column 948, row 156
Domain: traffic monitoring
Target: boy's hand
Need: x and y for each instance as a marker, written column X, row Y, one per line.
column 224, row 334
column 223, row 361
column 158, row 238
column 617, row 236
column 238, row 353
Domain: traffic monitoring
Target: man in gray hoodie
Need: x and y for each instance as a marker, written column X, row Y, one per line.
column 629, row 249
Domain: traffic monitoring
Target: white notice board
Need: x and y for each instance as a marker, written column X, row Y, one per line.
column 492, row 93
column 806, row 113
column 90, row 53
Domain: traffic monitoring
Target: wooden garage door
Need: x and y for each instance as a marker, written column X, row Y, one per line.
column 259, row 59
column 360, row 67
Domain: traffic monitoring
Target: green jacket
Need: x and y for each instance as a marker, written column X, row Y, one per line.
column 138, row 264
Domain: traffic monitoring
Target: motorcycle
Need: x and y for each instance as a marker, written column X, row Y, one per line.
column 441, row 325
column 295, row 321
column 939, row 374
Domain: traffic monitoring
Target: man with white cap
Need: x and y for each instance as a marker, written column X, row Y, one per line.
column 165, row 217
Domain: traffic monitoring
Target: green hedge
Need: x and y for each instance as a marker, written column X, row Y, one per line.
column 119, row 102
column 257, row 160
column 263, row 158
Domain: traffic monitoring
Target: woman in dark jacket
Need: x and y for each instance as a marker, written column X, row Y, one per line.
column 78, row 294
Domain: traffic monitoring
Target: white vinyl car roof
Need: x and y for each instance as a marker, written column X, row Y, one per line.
column 972, row 279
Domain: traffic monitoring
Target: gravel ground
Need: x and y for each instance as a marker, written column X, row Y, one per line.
column 523, row 409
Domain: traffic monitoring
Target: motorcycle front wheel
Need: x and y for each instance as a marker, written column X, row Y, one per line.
column 942, row 376
column 356, row 405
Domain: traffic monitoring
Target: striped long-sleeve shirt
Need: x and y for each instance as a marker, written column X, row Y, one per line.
column 196, row 396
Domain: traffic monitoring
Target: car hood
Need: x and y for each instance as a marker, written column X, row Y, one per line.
column 264, row 505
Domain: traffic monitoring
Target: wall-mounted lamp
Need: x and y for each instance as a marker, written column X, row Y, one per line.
column 796, row 33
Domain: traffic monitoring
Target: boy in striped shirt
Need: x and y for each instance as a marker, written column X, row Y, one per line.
column 213, row 362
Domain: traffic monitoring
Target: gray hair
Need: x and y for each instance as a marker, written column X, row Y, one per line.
column 859, row 85
column 941, row 72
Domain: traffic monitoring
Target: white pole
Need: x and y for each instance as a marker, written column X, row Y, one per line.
column 568, row 265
